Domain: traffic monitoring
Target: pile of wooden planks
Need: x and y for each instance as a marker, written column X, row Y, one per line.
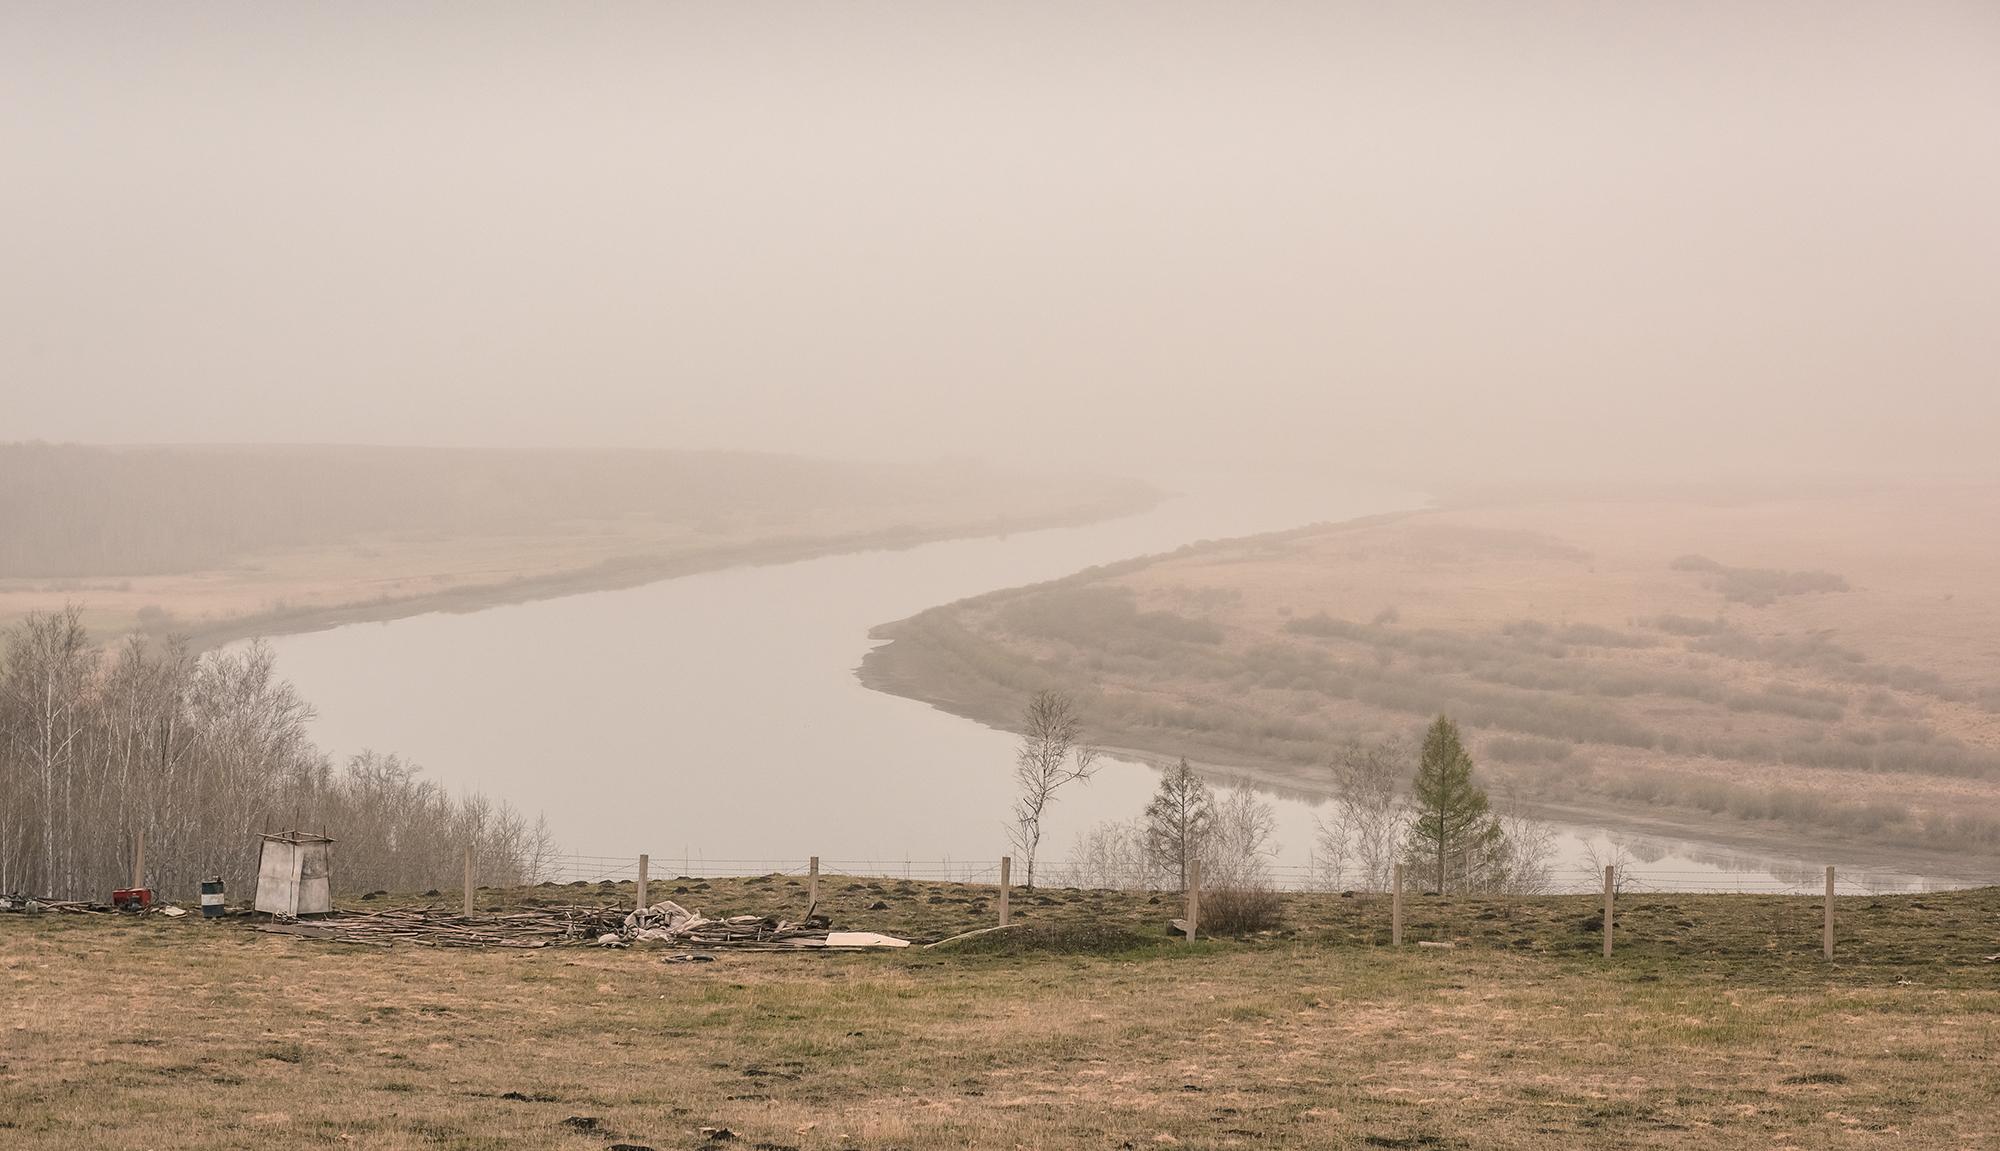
column 35, row 905
column 436, row 927
column 605, row 926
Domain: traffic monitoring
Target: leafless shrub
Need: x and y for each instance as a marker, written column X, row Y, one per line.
column 1599, row 855
column 1110, row 857
column 1527, row 850
column 1239, row 910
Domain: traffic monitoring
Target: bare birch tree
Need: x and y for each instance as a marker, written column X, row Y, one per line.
column 1528, row 851
column 1365, row 828
column 1239, row 844
column 201, row 754
column 1052, row 755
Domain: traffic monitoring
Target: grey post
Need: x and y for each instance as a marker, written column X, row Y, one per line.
column 1193, row 897
column 1396, row 907
column 468, row 881
column 812, row 883
column 1607, row 910
column 645, row 865
column 1006, row 881
column 1827, row 945
column 138, row 859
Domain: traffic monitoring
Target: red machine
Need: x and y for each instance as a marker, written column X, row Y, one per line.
column 132, row 898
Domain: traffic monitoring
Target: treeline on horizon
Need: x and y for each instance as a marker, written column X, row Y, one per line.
column 203, row 753
column 70, row 511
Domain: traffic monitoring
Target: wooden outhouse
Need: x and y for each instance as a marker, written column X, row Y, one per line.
column 295, row 874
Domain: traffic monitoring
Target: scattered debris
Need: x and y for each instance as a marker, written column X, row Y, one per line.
column 1435, row 943
column 860, row 941
column 582, row 1122
column 172, row 912
column 669, row 922
column 35, row 906
column 665, row 922
column 717, row 1134
column 690, row 957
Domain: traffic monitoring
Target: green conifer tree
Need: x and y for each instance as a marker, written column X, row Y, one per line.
column 1454, row 840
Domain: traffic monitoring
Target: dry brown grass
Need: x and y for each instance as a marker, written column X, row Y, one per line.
column 143, row 1034
column 1506, row 604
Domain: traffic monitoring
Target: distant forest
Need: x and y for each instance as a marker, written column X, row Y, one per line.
column 69, row 510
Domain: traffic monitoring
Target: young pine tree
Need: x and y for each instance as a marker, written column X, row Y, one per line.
column 1454, row 841
column 1177, row 820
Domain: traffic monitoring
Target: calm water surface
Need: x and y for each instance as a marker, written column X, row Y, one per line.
column 717, row 717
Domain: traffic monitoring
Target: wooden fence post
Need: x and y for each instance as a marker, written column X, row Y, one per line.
column 645, row 865
column 468, row 881
column 1006, row 881
column 138, row 859
column 1396, row 908
column 1828, row 944
column 812, row 884
column 1194, row 897
column 1608, row 889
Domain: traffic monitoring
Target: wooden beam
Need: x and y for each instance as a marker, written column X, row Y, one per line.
column 1396, row 907
column 1609, row 887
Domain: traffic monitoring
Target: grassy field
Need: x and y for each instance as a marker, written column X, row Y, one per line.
column 1716, row 1024
column 1818, row 665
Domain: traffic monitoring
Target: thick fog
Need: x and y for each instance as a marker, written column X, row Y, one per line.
column 1478, row 238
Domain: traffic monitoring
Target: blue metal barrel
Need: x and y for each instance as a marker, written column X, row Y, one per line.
column 211, row 898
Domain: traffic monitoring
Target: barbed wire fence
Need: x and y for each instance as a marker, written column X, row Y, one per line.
column 1810, row 895
column 1630, row 878
column 1624, row 880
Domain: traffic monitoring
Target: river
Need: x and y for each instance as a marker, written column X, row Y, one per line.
column 715, row 721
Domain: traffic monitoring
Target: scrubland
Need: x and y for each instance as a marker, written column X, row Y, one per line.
column 1822, row 665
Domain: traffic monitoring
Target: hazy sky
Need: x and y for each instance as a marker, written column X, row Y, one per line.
column 1579, row 237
